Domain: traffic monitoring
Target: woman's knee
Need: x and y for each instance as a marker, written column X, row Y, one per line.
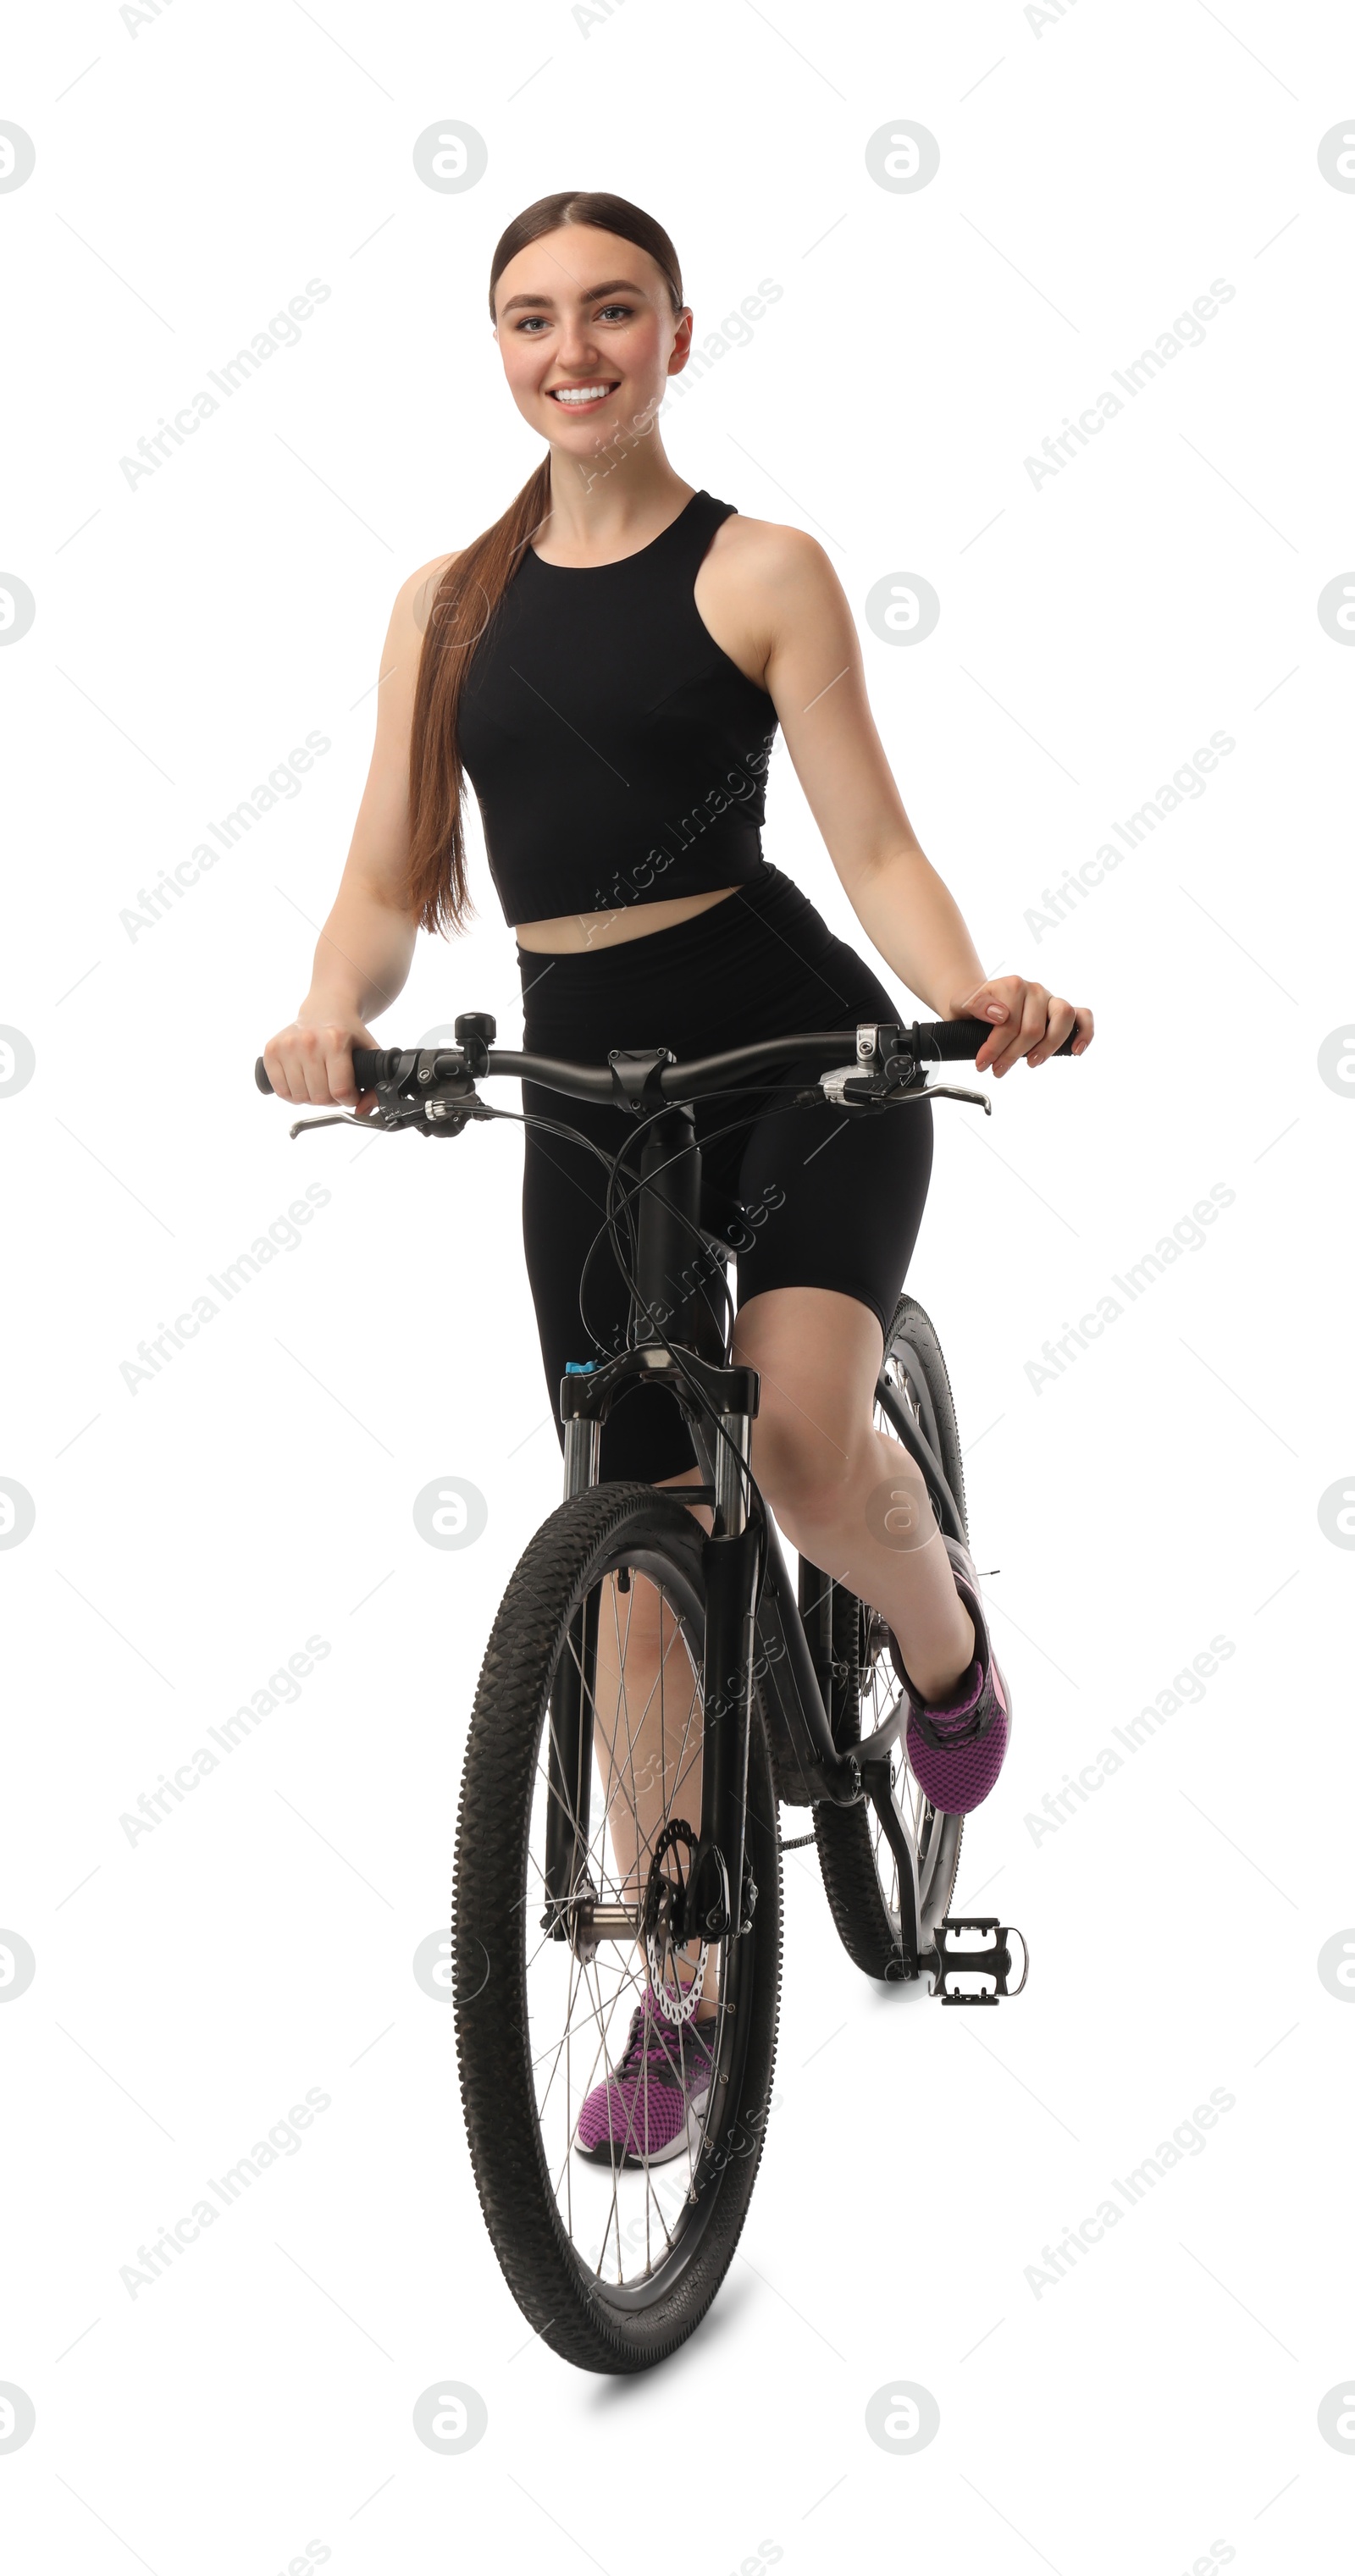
column 806, row 1469
column 817, row 1479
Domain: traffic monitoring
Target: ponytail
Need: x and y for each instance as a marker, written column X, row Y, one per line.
column 473, row 585
column 465, row 600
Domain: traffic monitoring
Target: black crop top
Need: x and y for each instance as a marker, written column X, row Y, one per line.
column 617, row 753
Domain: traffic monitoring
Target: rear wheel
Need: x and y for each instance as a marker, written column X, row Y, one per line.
column 613, row 2263
column 860, row 1870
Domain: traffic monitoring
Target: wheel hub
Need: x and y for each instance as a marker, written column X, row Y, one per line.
column 677, row 2002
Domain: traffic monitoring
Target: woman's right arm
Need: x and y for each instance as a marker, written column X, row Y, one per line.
column 363, row 953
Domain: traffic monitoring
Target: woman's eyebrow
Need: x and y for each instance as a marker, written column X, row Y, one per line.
column 590, row 294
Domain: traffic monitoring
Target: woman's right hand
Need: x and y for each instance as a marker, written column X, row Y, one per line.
column 312, row 1062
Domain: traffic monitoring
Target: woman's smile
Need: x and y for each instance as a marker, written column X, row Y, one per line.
column 582, row 397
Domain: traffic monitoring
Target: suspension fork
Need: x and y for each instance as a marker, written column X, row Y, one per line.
column 717, row 1900
column 673, row 1267
column 569, row 1767
column 671, row 1271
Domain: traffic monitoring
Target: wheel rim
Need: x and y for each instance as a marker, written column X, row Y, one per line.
column 632, row 2226
column 935, row 1838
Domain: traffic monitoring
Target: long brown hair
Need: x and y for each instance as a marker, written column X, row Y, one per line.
column 472, row 586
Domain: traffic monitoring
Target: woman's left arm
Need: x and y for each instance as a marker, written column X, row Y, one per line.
column 816, row 681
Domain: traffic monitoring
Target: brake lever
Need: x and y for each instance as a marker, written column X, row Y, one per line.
column 846, row 1087
column 443, row 1112
column 950, row 1091
column 341, row 1118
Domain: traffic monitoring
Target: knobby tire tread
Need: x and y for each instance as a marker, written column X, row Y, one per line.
column 843, row 1834
column 489, row 1984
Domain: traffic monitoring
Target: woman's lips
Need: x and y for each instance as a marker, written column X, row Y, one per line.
column 594, row 402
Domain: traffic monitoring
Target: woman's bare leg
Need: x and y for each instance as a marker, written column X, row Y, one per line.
column 847, row 1496
column 647, row 1729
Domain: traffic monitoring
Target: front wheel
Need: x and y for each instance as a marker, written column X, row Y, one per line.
column 613, row 2245
column 860, row 1869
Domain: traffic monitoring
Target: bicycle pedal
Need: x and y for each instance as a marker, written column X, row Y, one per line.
column 993, row 1960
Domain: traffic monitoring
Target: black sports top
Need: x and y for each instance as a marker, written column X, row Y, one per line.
column 617, row 753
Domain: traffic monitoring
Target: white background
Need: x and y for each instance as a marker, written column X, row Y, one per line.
column 1096, row 174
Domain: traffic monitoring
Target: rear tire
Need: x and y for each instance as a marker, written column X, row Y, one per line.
column 613, row 2268
column 858, row 1866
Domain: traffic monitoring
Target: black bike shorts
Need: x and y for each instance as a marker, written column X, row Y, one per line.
column 814, row 1197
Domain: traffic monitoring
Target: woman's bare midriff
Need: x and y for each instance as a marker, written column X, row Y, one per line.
column 576, row 931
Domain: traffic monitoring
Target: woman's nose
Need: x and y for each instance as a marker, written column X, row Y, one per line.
column 575, row 352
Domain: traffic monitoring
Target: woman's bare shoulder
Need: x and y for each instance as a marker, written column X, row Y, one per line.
column 402, row 651
column 766, row 550
column 415, row 597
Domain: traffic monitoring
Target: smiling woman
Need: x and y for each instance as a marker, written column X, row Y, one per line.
column 610, row 664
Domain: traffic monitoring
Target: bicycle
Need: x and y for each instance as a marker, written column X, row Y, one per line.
column 781, row 1702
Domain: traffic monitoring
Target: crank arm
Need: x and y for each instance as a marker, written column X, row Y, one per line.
column 879, row 1791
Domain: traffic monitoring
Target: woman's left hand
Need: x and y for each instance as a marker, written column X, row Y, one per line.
column 1028, row 1020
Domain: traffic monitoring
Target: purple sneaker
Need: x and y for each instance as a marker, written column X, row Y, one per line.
column 650, row 2107
column 956, row 1751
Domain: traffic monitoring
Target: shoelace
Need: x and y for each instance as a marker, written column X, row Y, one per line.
column 954, row 1729
column 953, row 1726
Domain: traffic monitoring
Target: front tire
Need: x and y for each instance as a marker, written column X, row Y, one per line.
column 614, row 2266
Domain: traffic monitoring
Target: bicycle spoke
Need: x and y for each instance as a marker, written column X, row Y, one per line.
column 636, row 1666
column 598, row 2056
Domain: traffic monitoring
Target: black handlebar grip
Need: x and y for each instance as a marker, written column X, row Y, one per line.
column 958, row 1041
column 954, row 1041
column 369, row 1063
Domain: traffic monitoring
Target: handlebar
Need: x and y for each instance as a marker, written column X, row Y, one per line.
column 958, row 1041
column 659, row 1076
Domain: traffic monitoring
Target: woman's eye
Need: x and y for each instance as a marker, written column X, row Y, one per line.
column 621, row 309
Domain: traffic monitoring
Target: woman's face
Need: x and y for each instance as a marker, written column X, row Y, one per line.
column 588, row 336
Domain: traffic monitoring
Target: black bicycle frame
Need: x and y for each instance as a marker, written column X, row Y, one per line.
column 752, row 1627
column 676, row 1331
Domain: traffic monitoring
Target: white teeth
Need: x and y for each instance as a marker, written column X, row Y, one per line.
column 579, row 393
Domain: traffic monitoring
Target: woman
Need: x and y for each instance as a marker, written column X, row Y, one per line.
column 610, row 662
